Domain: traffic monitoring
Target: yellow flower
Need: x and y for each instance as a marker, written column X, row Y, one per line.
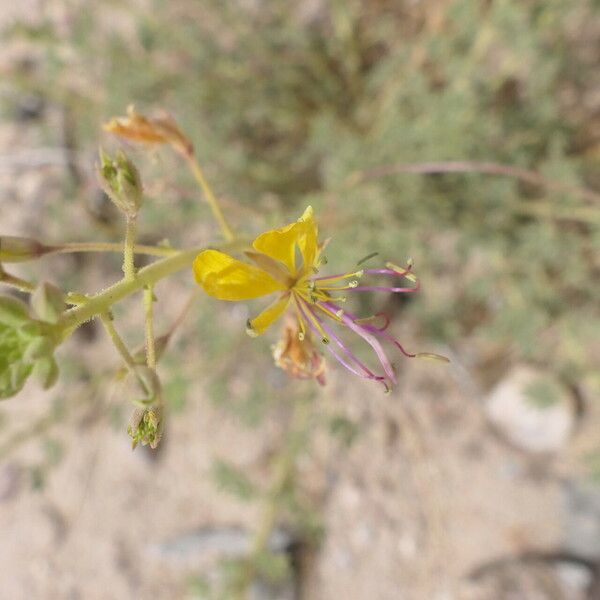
column 286, row 263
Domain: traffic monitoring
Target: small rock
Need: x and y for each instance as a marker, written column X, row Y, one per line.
column 582, row 522
column 10, row 481
column 575, row 579
column 532, row 409
column 209, row 542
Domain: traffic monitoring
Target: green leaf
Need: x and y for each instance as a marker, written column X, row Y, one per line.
column 13, row 378
column 13, row 312
column 46, row 372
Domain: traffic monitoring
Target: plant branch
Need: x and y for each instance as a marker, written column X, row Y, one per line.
column 128, row 248
column 117, row 341
column 465, row 166
column 122, row 349
column 284, row 467
column 15, row 282
column 111, row 247
column 209, row 196
column 149, row 327
column 149, row 275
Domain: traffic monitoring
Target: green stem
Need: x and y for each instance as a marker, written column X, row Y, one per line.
column 210, row 197
column 283, row 467
column 111, row 247
column 117, row 341
column 128, row 250
column 149, row 327
column 16, row 282
column 122, row 349
column 148, row 276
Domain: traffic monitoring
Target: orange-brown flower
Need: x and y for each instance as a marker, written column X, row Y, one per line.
column 158, row 130
column 297, row 355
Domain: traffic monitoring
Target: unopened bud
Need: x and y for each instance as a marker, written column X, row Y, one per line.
column 145, row 427
column 13, row 312
column 47, row 302
column 120, row 180
column 20, row 249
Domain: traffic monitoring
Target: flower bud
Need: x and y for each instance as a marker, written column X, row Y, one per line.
column 47, row 302
column 146, row 426
column 20, row 249
column 120, row 180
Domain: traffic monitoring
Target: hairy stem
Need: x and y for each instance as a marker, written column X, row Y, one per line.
column 101, row 303
column 15, row 282
column 148, row 276
column 111, row 247
column 117, row 341
column 149, row 327
column 122, row 349
column 128, row 250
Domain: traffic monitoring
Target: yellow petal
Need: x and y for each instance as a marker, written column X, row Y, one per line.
column 309, row 243
column 281, row 243
column 258, row 325
column 227, row 278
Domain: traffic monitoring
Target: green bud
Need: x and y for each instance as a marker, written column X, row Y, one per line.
column 146, row 426
column 20, row 249
column 120, row 180
column 45, row 371
column 47, row 302
column 13, row 312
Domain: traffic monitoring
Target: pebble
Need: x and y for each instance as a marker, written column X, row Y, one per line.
column 535, row 423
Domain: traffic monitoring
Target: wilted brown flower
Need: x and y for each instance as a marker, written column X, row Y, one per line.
column 157, row 130
column 297, row 355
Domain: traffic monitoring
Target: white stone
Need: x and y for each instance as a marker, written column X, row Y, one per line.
column 529, row 426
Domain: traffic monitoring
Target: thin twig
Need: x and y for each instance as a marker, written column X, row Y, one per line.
column 465, row 166
column 122, row 349
column 73, row 247
column 210, row 197
column 149, row 327
column 284, row 466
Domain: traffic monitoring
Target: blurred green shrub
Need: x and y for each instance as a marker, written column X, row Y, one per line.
column 285, row 101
